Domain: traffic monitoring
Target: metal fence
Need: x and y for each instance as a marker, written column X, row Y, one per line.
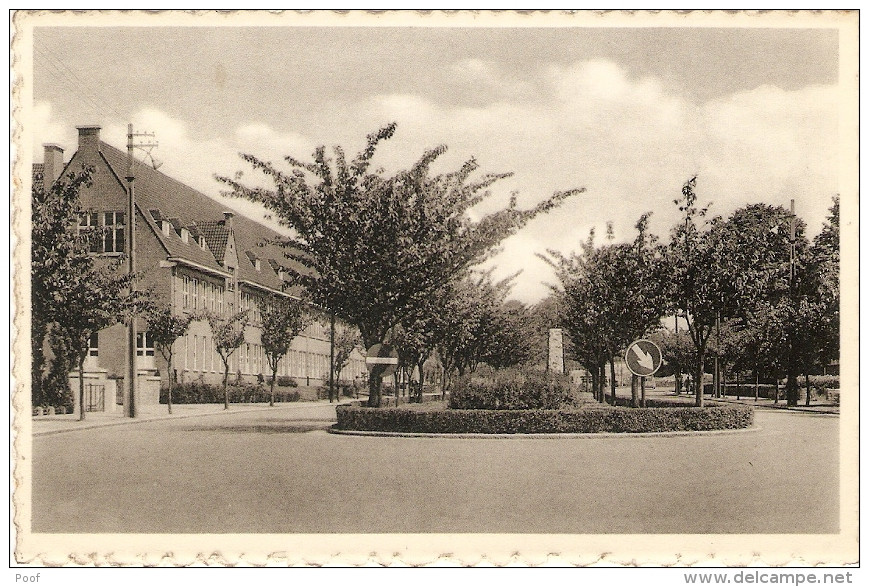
column 95, row 397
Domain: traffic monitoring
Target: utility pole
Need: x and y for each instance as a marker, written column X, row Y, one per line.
column 131, row 257
column 678, row 379
column 332, row 358
column 717, row 383
column 791, row 386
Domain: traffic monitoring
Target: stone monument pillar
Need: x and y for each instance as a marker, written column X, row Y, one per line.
column 556, row 351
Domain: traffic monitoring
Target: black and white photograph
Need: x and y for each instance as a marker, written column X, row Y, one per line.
column 435, row 288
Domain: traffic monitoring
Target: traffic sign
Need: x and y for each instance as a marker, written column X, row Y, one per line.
column 381, row 360
column 643, row 357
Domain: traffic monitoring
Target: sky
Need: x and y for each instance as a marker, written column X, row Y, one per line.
column 628, row 114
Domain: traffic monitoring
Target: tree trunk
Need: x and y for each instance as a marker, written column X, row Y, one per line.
column 225, row 381
column 373, row 390
column 602, row 381
column 37, row 360
column 81, row 409
column 808, row 390
column 792, row 386
column 169, row 386
column 776, row 389
column 613, row 380
column 635, row 396
column 738, row 389
column 698, row 380
column 419, row 366
column 272, row 386
column 756, row 385
column 595, row 388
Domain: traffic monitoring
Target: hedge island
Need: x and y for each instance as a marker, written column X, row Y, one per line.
column 536, row 403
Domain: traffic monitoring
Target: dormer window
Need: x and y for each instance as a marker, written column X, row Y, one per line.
column 257, row 265
column 281, row 274
column 166, row 227
column 185, row 235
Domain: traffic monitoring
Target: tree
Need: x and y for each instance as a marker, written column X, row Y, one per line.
column 75, row 291
column 94, row 298
column 699, row 285
column 346, row 342
column 820, row 312
column 379, row 246
column 508, row 340
column 282, row 320
column 766, row 259
column 414, row 340
column 614, row 294
column 56, row 250
column 228, row 334
column 466, row 325
column 165, row 328
column 579, row 299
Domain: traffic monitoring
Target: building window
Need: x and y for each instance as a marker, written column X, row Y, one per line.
column 94, row 345
column 113, row 237
column 144, row 344
column 186, row 289
column 194, row 286
column 220, row 300
column 88, row 225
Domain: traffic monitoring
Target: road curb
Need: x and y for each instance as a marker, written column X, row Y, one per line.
column 791, row 410
column 546, row 436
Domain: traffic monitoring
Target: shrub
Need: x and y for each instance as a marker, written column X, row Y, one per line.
column 512, row 389
column 197, row 392
column 822, row 382
column 423, row 419
column 286, row 381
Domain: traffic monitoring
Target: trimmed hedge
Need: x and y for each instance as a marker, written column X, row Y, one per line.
column 612, row 419
column 195, row 392
column 513, row 389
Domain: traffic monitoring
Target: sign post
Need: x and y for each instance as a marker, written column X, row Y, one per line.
column 643, row 359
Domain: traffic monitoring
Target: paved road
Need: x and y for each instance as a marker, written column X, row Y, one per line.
column 280, row 471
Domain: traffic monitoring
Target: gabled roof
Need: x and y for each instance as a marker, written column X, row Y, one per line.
column 185, row 207
column 216, row 236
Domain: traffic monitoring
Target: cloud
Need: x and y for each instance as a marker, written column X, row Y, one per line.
column 47, row 128
column 631, row 142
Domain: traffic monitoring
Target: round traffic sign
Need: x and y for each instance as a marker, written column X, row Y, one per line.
column 643, row 357
column 381, row 360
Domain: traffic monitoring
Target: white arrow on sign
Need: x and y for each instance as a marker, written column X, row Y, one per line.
column 381, row 360
column 644, row 359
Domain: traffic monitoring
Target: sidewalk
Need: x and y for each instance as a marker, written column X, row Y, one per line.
column 45, row 425
column 819, row 406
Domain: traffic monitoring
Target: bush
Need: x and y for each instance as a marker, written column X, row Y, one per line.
column 512, row 389
column 196, row 392
column 286, row 381
column 822, row 383
column 423, row 419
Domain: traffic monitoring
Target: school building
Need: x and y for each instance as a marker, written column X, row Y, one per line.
column 197, row 256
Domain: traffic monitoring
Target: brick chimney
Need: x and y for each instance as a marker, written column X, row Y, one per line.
column 52, row 162
column 88, row 138
column 227, row 219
